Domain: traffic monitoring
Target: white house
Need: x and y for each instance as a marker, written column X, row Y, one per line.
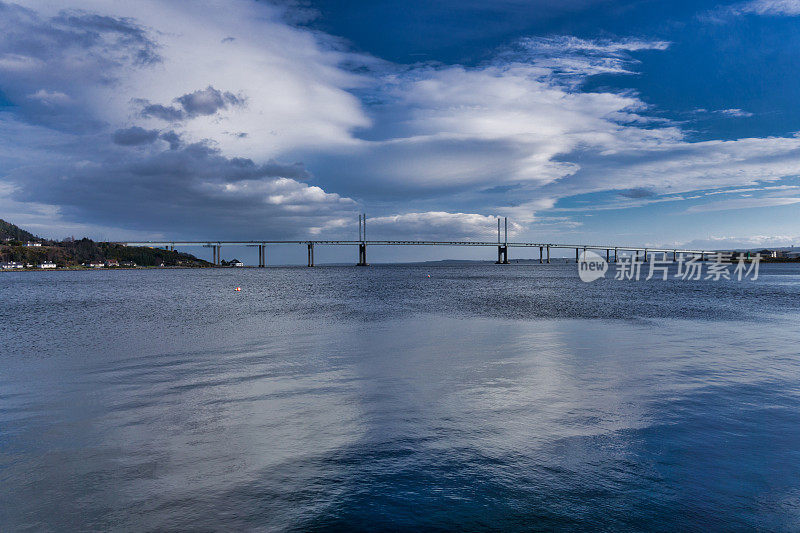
column 32, row 243
column 47, row 264
column 11, row 265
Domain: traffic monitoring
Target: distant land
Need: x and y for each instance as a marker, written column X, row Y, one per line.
column 22, row 247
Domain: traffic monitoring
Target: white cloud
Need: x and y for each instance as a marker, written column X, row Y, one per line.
column 742, row 203
column 50, row 98
column 568, row 55
column 287, row 193
column 91, row 65
column 378, row 130
column 438, row 225
column 737, row 113
column 770, row 7
column 567, row 43
column 723, row 242
column 18, row 63
column 296, row 92
column 453, row 127
column 680, row 167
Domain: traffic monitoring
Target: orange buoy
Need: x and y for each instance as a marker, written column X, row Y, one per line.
column 429, row 275
column 238, row 289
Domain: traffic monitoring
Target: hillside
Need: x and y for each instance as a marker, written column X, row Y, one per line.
column 10, row 231
column 73, row 253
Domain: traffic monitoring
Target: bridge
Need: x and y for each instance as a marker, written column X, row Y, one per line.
column 503, row 246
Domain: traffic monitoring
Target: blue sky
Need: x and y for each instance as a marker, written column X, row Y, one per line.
column 640, row 122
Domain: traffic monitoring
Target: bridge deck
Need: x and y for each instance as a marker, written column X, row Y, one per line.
column 418, row 243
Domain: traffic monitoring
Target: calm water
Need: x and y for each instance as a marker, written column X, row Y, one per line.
column 483, row 397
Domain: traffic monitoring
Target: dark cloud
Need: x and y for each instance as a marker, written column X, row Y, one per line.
column 199, row 103
column 228, row 40
column 128, row 33
column 173, row 139
column 51, row 60
column 208, row 101
column 203, row 161
column 502, row 189
column 638, row 193
column 134, row 136
column 167, row 113
column 191, row 189
column 107, row 38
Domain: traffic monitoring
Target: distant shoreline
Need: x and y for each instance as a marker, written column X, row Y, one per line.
column 440, row 263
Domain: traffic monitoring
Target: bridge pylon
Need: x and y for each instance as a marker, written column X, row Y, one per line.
column 502, row 247
column 362, row 255
column 502, row 255
column 362, row 238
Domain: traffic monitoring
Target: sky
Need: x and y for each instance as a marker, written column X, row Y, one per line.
column 583, row 121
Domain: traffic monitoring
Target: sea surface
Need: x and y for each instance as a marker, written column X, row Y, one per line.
column 483, row 397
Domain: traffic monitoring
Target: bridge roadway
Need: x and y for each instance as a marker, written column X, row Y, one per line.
column 502, row 248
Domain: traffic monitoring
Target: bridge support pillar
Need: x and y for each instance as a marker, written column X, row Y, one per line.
column 540, row 255
column 548, row 255
column 615, row 255
column 645, row 256
column 608, row 255
column 576, row 254
column 311, row 254
column 502, row 255
column 262, row 256
column 362, row 255
column 674, row 255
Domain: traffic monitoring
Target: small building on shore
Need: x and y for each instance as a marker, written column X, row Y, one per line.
column 47, row 264
column 11, row 265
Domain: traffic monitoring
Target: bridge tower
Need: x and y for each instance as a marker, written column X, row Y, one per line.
column 502, row 246
column 362, row 240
